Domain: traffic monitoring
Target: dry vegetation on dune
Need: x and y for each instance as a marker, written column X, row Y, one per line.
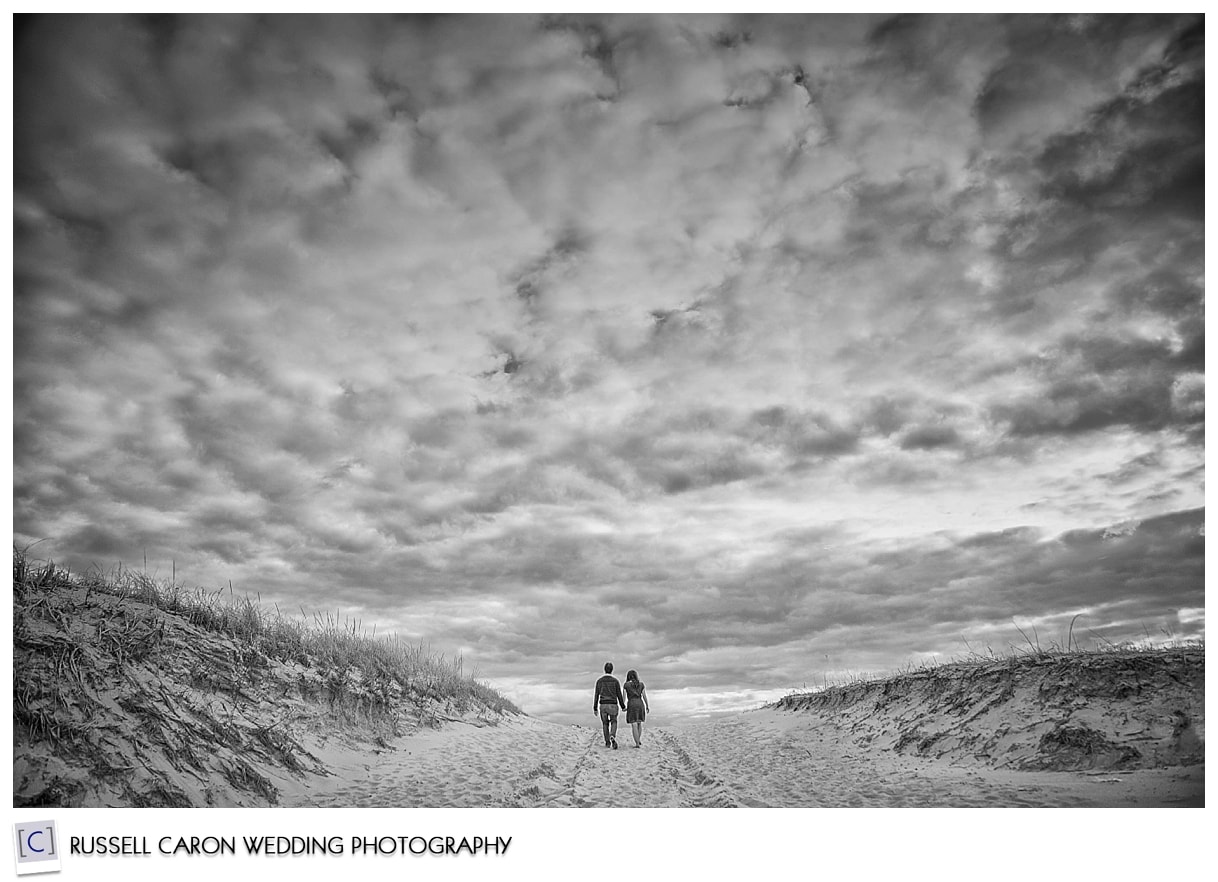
column 129, row 691
column 1119, row 708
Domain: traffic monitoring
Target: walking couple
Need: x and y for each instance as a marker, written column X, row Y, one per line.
column 609, row 697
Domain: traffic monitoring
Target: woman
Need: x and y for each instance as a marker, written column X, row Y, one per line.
column 636, row 706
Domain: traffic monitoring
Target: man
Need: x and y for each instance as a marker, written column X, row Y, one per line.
column 606, row 701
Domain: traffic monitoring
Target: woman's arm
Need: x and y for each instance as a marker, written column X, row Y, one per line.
column 643, row 695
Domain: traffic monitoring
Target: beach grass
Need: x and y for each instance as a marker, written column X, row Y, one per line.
column 131, row 628
column 133, row 691
column 1014, row 655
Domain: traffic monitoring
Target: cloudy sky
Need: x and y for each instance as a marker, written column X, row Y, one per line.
column 748, row 352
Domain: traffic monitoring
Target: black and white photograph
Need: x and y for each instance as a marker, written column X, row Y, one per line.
column 614, row 411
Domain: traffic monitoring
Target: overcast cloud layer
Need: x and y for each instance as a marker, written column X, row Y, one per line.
column 747, row 352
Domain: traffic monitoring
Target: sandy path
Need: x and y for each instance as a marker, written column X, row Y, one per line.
column 763, row 758
column 522, row 762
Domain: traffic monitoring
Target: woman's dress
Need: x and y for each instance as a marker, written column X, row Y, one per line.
column 635, row 711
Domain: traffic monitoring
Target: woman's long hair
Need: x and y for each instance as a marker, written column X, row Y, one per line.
column 632, row 675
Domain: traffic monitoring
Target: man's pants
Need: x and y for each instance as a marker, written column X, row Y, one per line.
column 609, row 720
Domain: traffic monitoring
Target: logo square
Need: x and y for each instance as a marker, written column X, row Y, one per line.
column 36, row 847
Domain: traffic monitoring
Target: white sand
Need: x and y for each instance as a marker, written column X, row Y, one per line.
column 759, row 758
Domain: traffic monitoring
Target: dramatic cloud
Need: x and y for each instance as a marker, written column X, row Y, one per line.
column 746, row 351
